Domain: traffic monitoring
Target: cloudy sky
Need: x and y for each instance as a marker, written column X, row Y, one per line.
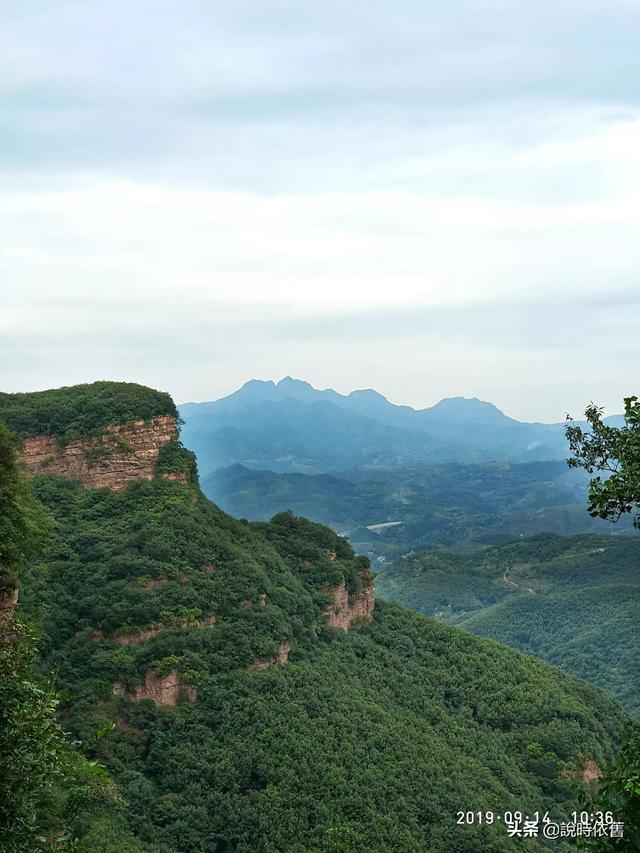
column 429, row 198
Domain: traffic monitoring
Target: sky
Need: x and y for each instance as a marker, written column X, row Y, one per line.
column 428, row 198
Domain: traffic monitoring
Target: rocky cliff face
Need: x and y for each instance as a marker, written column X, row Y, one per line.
column 163, row 690
column 148, row 632
column 346, row 609
column 281, row 658
column 588, row 773
column 122, row 453
column 8, row 601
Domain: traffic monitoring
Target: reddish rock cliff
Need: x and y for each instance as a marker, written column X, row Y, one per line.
column 148, row 632
column 8, row 600
column 346, row 609
column 281, row 658
column 122, row 453
column 163, row 690
column 588, row 773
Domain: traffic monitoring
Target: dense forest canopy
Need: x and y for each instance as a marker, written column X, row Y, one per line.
column 21, row 524
column 51, row 797
column 572, row 601
column 81, row 409
column 369, row 740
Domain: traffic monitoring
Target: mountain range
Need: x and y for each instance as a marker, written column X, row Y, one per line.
column 289, row 426
column 455, row 473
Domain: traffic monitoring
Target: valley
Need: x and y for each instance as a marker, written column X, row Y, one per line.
column 572, row 601
column 499, row 547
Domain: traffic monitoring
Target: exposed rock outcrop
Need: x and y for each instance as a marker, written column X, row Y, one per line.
column 281, row 658
column 8, row 600
column 134, row 638
column 163, row 690
column 122, row 453
column 349, row 608
column 588, row 773
column 591, row 772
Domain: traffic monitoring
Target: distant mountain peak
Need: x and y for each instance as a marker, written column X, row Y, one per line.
column 290, row 382
column 258, row 383
column 470, row 409
column 367, row 393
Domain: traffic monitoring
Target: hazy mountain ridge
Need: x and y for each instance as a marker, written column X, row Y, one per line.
column 314, row 437
column 291, row 426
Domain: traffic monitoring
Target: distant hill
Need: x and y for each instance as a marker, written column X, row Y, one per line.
column 289, row 426
column 574, row 602
column 449, row 503
column 313, row 438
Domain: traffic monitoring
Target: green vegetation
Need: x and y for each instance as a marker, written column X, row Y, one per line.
column 81, row 409
column 21, row 519
column 574, row 602
column 618, row 792
column 51, row 797
column 453, row 504
column 121, row 560
column 176, row 459
column 616, row 451
column 370, row 741
column 314, row 552
column 373, row 740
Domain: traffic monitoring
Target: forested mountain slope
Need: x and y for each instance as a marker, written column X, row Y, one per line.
column 240, row 687
column 574, row 602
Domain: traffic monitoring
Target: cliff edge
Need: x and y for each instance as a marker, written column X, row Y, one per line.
column 123, row 452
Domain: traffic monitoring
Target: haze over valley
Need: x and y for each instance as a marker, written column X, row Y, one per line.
column 468, row 515
column 458, row 472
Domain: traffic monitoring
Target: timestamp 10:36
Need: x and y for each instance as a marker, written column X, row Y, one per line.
column 508, row 817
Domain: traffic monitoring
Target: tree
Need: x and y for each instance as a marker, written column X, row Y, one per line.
column 30, row 738
column 52, row 798
column 615, row 451
column 22, row 520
